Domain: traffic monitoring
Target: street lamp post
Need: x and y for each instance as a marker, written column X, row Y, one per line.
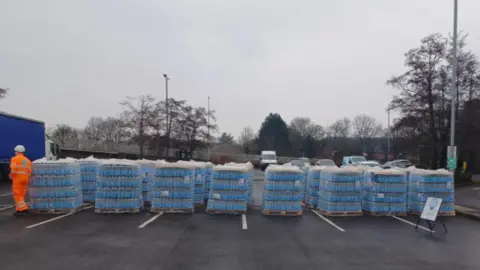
column 166, row 114
column 388, row 135
column 208, row 128
column 451, row 153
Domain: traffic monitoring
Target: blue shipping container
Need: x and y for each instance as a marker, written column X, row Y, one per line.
column 17, row 130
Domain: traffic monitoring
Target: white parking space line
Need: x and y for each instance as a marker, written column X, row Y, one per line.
column 328, row 221
column 244, row 222
column 411, row 223
column 53, row 219
column 6, row 194
column 477, row 188
column 143, row 225
column 7, row 207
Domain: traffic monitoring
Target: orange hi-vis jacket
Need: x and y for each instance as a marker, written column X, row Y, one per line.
column 20, row 171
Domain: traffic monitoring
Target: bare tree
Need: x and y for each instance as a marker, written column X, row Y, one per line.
column 3, row 92
column 175, row 113
column 112, row 129
column 65, row 136
column 365, row 129
column 246, row 139
column 306, row 128
column 94, row 129
column 194, row 126
column 340, row 128
column 137, row 118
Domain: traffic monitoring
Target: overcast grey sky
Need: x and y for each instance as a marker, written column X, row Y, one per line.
column 65, row 61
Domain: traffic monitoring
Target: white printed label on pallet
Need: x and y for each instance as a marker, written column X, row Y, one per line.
column 380, row 195
column 357, row 184
column 449, row 185
column 241, row 181
column 164, row 193
column 297, row 183
column 186, row 179
column 216, row 196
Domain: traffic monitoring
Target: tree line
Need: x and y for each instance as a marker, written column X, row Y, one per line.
column 149, row 124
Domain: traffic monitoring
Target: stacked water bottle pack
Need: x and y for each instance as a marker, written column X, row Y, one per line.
column 283, row 190
column 312, row 185
column 119, row 187
column 88, row 175
column 228, row 189
column 431, row 183
column 55, row 186
column 147, row 169
column 199, row 190
column 385, row 192
column 340, row 191
column 250, row 178
column 173, row 187
column 208, row 179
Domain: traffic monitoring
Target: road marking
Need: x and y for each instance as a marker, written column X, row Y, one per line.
column 53, row 219
column 143, row 225
column 328, row 221
column 411, row 223
column 6, row 194
column 7, row 207
column 244, row 222
column 477, row 188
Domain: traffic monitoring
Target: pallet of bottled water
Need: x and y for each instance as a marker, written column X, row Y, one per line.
column 208, row 179
column 228, row 189
column 173, row 187
column 431, row 183
column 88, row 175
column 283, row 190
column 384, row 192
column 119, row 187
column 312, row 186
column 147, row 169
column 250, row 178
column 55, row 187
column 199, row 190
column 340, row 191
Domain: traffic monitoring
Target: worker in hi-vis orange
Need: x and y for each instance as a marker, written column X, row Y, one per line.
column 20, row 171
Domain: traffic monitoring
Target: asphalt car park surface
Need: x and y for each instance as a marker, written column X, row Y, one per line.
column 86, row 240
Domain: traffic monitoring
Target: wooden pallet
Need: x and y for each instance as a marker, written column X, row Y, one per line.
column 381, row 214
column 340, row 214
column 117, row 211
column 55, row 211
column 225, row 212
column 282, row 213
column 171, row 210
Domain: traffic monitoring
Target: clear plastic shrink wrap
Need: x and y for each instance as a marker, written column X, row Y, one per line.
column 119, row 187
column 283, row 190
column 384, row 192
column 147, row 170
column 55, row 186
column 173, row 187
column 208, row 179
column 340, row 191
column 228, row 189
column 88, row 175
column 312, row 186
column 431, row 183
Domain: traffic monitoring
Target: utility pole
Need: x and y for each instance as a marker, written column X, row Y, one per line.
column 167, row 128
column 452, row 149
column 208, row 128
column 388, row 135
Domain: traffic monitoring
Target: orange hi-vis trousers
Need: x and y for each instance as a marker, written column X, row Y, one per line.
column 20, row 171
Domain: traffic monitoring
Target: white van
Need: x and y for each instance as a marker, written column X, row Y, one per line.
column 267, row 158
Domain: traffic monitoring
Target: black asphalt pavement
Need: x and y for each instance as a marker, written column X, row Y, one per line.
column 86, row 240
column 468, row 196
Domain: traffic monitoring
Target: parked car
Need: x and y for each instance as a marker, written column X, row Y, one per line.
column 301, row 163
column 325, row 162
column 353, row 160
column 401, row 163
column 370, row 163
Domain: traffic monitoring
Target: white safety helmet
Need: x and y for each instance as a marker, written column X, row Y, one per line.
column 20, row 149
